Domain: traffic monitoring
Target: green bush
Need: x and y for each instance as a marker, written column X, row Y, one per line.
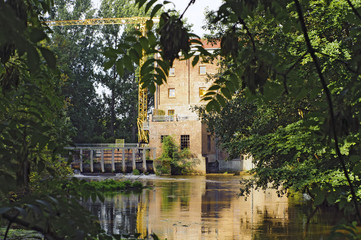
column 173, row 160
column 136, row 172
column 110, row 185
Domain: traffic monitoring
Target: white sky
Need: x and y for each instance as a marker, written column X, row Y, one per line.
column 194, row 14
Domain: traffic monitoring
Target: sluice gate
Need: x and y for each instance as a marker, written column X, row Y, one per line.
column 110, row 158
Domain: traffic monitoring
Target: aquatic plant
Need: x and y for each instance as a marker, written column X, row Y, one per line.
column 116, row 185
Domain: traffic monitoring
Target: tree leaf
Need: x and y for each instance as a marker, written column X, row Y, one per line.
column 155, row 10
column 134, row 55
column 221, row 100
column 144, row 43
column 149, row 5
column 319, row 198
column 226, row 93
column 119, row 67
column 214, row 87
column 195, row 60
column 107, row 65
column 36, row 35
column 49, row 57
column 128, row 63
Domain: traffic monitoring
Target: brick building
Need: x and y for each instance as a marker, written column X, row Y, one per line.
column 173, row 113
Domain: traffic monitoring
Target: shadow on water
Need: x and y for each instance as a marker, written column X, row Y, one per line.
column 210, row 208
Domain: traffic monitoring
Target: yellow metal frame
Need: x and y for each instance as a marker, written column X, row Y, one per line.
column 142, row 92
column 100, row 21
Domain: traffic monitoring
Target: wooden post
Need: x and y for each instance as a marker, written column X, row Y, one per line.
column 91, row 161
column 123, row 160
column 133, row 158
column 81, row 161
column 113, row 164
column 102, row 161
column 144, row 160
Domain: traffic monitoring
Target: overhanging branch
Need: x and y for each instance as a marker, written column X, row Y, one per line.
column 312, row 51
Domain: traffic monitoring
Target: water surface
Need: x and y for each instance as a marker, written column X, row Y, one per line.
column 210, row 208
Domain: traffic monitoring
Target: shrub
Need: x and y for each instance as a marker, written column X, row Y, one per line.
column 136, row 172
column 173, row 160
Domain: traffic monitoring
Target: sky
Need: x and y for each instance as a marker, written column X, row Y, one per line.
column 194, row 14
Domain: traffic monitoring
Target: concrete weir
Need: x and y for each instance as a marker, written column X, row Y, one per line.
column 110, row 158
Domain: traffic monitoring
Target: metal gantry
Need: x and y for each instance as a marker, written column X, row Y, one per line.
column 142, row 92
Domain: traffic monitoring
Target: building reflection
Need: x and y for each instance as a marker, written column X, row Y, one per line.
column 197, row 208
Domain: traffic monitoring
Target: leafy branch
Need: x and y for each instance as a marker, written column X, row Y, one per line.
column 354, row 9
column 312, row 52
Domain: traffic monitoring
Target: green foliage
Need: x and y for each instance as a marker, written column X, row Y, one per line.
column 173, row 160
column 136, row 172
column 143, row 47
column 287, row 91
column 34, row 129
column 77, row 51
column 346, row 231
column 14, row 234
column 116, row 185
column 120, row 105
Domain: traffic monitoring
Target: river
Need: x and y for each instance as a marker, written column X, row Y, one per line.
column 209, row 207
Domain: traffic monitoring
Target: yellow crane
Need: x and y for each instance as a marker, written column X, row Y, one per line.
column 142, row 92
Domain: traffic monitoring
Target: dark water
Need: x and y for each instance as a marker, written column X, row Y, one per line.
column 210, row 208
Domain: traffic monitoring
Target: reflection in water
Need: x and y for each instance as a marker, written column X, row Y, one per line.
column 207, row 208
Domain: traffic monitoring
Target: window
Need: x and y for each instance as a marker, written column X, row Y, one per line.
column 170, row 112
column 162, row 138
column 202, row 91
column 171, row 92
column 172, row 71
column 202, row 70
column 185, row 141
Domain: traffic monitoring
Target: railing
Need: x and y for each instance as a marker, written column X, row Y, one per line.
column 114, row 158
column 108, row 145
column 163, row 118
column 173, row 118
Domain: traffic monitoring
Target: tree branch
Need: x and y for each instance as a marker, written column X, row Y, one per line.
column 340, row 61
column 47, row 234
column 189, row 4
column 248, row 32
column 312, row 51
column 354, row 9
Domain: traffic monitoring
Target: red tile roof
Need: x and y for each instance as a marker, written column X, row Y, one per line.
column 211, row 45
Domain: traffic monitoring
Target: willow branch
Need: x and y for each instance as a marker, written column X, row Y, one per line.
column 312, row 52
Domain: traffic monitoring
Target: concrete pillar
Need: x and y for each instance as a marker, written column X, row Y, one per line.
column 91, row 161
column 81, row 160
column 144, row 160
column 154, row 157
column 133, row 158
column 113, row 164
column 102, row 161
column 123, row 160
